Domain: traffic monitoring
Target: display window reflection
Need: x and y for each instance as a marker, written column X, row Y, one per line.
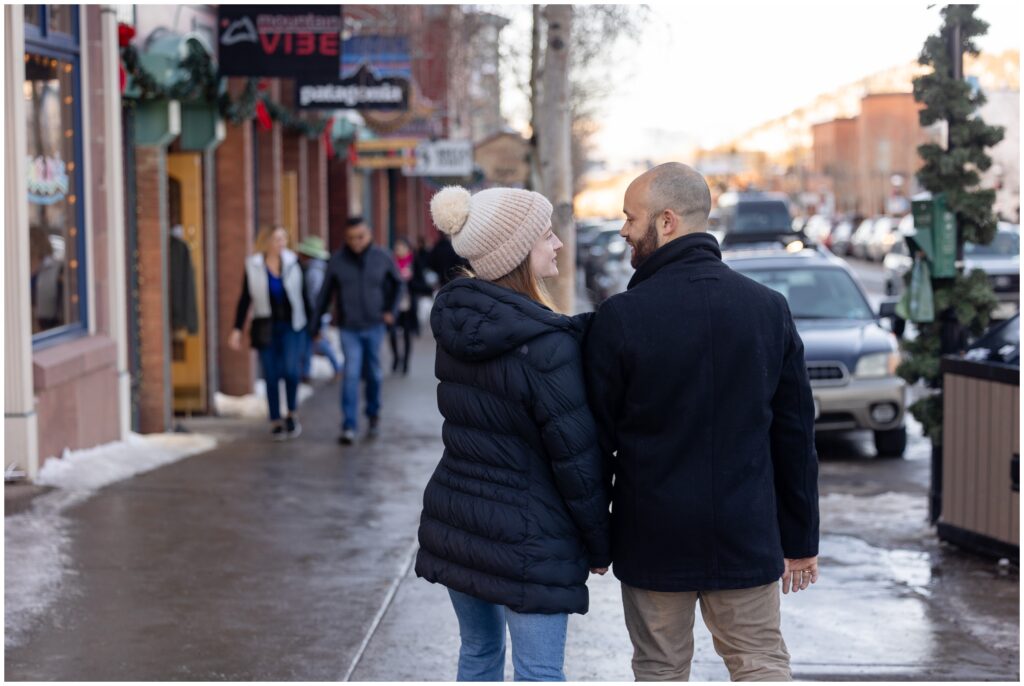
column 54, row 231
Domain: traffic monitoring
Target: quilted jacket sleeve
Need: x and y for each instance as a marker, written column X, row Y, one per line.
column 570, row 439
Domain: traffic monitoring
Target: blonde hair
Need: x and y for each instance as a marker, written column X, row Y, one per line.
column 266, row 233
column 523, row 280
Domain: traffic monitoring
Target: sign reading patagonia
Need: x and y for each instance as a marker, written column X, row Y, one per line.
column 376, row 74
column 279, row 40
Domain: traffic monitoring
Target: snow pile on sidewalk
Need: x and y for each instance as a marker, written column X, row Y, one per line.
column 92, row 469
column 36, row 542
column 254, row 405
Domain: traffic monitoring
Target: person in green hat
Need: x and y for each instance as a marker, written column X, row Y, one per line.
column 313, row 256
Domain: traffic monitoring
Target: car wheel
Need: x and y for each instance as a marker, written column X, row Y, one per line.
column 891, row 443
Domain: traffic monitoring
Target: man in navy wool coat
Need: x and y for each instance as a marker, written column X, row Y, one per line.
column 697, row 382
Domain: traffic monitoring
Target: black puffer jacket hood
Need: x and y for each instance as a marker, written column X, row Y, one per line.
column 476, row 320
column 517, row 510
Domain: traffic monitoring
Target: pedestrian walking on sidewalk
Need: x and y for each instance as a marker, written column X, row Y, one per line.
column 445, row 261
column 697, row 382
column 412, row 271
column 273, row 287
column 516, row 512
column 364, row 282
column 313, row 257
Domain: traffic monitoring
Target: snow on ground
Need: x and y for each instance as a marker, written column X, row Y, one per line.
column 36, row 562
column 92, row 469
column 254, row 405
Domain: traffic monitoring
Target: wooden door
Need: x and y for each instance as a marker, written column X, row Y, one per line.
column 188, row 349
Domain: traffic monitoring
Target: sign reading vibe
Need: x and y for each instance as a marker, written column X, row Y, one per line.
column 279, row 40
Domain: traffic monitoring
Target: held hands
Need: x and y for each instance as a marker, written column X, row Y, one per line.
column 599, row 570
column 799, row 574
column 235, row 340
column 388, row 318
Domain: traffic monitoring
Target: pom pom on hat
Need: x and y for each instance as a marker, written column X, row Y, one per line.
column 450, row 208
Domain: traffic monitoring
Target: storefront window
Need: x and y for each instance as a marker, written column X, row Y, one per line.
column 58, row 19
column 34, row 15
column 54, row 178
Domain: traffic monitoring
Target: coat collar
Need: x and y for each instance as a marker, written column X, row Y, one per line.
column 694, row 248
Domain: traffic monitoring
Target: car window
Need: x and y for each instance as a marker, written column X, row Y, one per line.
column 815, row 293
column 1005, row 244
column 756, row 217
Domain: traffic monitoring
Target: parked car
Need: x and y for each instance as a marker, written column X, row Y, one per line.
column 884, row 234
column 744, row 214
column 897, row 263
column 860, row 238
column 597, row 252
column 851, row 357
column 1000, row 260
column 586, row 232
column 839, row 240
column 614, row 273
column 818, row 228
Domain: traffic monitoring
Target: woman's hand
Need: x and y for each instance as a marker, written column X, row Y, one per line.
column 599, row 570
column 235, row 340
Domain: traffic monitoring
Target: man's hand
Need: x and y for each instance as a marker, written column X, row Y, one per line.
column 799, row 574
column 388, row 318
column 235, row 340
column 599, row 570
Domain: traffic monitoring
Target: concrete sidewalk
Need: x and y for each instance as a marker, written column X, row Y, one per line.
column 292, row 561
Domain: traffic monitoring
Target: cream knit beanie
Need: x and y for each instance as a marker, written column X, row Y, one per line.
column 494, row 229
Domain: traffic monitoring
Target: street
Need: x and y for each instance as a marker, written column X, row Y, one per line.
column 263, row 561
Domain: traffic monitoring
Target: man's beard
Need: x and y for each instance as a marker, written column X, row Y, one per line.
column 646, row 246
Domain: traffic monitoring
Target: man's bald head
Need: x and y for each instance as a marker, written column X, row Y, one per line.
column 682, row 189
column 664, row 204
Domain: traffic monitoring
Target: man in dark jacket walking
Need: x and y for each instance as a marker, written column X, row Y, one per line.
column 445, row 262
column 697, row 382
column 364, row 281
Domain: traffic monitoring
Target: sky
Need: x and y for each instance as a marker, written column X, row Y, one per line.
column 707, row 71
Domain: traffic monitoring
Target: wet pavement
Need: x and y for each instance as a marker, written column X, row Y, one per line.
column 263, row 561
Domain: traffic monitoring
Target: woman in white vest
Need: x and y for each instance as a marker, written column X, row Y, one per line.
column 273, row 286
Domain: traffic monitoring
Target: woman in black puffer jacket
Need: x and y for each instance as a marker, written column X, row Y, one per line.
column 516, row 512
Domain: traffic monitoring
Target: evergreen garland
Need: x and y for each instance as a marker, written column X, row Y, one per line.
column 965, row 299
column 200, row 81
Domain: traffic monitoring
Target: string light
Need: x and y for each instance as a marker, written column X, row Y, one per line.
column 72, row 199
column 67, row 68
column 69, row 133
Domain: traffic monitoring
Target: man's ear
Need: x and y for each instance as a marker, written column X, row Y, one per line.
column 670, row 223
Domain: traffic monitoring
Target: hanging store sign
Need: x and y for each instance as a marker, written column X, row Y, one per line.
column 374, row 73
column 279, row 40
column 452, row 158
column 365, row 90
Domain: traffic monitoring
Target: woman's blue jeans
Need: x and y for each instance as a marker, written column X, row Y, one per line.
column 280, row 360
column 538, row 641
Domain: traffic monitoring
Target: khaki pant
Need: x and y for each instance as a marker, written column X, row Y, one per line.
column 744, row 624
